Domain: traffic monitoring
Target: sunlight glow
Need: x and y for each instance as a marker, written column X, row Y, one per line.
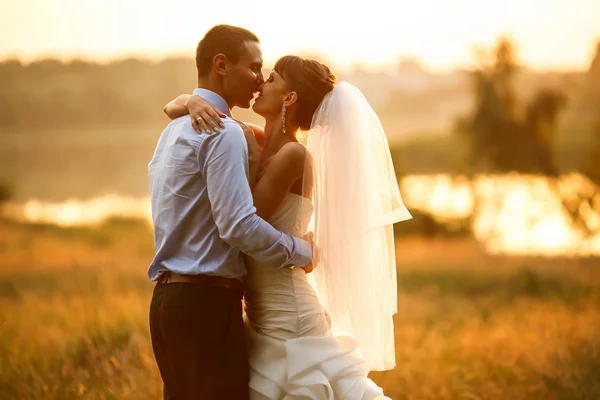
column 442, row 34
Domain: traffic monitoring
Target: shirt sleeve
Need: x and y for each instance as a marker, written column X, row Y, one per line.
column 226, row 173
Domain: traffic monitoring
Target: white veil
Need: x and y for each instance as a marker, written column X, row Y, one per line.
column 351, row 181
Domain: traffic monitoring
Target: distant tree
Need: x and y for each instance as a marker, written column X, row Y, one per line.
column 6, row 194
column 410, row 65
column 541, row 124
column 504, row 136
column 492, row 117
column 592, row 163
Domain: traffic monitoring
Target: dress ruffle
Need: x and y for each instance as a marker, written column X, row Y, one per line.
column 308, row 368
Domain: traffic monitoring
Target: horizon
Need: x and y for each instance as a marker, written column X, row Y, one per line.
column 561, row 36
column 371, row 69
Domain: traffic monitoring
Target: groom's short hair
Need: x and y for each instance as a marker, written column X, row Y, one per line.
column 226, row 39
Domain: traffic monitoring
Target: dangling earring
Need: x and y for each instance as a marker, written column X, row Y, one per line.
column 283, row 118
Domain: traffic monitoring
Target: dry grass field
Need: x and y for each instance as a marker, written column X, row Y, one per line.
column 74, row 305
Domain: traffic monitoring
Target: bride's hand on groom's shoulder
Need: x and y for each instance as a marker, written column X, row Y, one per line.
column 205, row 117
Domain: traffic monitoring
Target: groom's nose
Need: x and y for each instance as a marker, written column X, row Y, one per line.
column 259, row 80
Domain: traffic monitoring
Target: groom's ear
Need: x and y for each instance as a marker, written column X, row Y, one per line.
column 290, row 99
column 220, row 64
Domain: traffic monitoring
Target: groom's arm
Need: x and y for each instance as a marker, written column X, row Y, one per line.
column 226, row 173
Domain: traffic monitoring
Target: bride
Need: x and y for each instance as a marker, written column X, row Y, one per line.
column 317, row 336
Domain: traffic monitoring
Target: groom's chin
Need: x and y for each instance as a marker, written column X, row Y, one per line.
column 244, row 104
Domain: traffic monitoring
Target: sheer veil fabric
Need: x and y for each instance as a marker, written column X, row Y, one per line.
column 350, row 179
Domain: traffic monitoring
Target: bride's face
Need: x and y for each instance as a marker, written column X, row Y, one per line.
column 271, row 96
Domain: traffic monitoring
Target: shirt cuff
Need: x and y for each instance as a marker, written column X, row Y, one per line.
column 301, row 253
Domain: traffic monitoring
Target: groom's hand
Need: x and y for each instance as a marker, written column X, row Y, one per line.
column 309, row 237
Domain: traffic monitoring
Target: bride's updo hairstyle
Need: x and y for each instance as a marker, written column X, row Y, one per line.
column 311, row 80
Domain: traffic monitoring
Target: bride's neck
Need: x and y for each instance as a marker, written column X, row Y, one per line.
column 275, row 138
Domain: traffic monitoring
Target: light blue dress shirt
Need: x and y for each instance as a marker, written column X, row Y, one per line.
column 202, row 207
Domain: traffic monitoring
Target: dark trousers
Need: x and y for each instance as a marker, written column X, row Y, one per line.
column 199, row 342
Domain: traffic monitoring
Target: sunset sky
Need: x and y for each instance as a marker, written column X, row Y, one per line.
column 550, row 34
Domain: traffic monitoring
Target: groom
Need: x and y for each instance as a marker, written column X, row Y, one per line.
column 203, row 221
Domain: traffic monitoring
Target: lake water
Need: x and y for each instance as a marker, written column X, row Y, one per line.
column 511, row 214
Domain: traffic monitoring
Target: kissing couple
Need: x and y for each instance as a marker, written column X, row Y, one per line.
column 295, row 218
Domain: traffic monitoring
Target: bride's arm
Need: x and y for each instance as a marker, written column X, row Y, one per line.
column 254, row 149
column 203, row 114
column 285, row 169
column 259, row 133
column 177, row 107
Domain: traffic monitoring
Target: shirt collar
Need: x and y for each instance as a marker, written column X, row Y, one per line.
column 213, row 98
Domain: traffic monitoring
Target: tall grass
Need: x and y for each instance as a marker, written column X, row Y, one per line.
column 74, row 314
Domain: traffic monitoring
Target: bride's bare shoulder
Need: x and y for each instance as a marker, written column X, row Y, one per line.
column 289, row 159
column 292, row 153
column 293, row 149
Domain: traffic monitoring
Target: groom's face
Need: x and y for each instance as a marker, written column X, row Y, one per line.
column 244, row 78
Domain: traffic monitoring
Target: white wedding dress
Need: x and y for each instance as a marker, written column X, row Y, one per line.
column 292, row 354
